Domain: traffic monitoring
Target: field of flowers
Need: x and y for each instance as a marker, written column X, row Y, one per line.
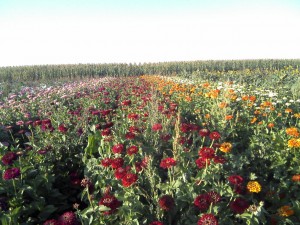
column 149, row 150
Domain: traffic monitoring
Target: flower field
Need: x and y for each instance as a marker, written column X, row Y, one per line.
column 150, row 150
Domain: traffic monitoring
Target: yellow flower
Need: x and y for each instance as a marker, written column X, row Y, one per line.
column 226, row 147
column 292, row 131
column 254, row 186
column 285, row 211
column 294, row 143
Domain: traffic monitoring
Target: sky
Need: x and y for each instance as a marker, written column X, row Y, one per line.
column 37, row 32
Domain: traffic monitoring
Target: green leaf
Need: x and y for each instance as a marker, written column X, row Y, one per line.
column 47, row 211
column 91, row 147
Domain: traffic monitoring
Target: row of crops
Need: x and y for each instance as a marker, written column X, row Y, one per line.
column 151, row 150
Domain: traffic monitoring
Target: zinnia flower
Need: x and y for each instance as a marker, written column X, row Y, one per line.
column 129, row 179
column 294, row 143
column 132, row 150
column 117, row 162
column 9, row 158
column 254, row 186
column 239, row 205
column 120, row 173
column 202, row 202
column 296, row 178
column 11, row 173
column 156, row 223
column 167, row 163
column 129, row 136
column 235, row 179
column 225, row 147
column 202, row 163
column 52, row 222
column 285, row 211
column 111, row 202
column 206, row 153
column 117, row 148
column 292, row 131
column 207, row 219
column 166, row 202
column 157, row 127
column 204, row 132
column 62, row 128
column 214, row 135
column 106, row 162
column 68, row 218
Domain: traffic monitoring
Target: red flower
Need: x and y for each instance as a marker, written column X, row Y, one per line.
column 214, row 197
column 118, row 148
column 126, row 102
column 120, row 173
column 134, row 130
column 167, row 163
column 207, row 219
column 132, row 150
column 156, row 223
column 68, row 218
column 106, row 132
column 165, row 137
column 129, row 136
column 129, row 179
column 157, row 127
column 214, row 135
column 184, row 127
column 62, row 128
column 219, row 159
column 235, row 179
column 166, row 202
column 207, row 153
column 202, row 201
column 204, row 132
column 52, row 222
column 11, row 173
column 106, row 162
column 239, row 205
column 111, row 202
column 117, row 162
column 133, row 116
column 9, row 157
column 202, row 163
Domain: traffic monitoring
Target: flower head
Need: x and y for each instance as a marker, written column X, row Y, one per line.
column 129, row 179
column 118, row 148
column 111, row 202
column 9, row 158
column 207, row 219
column 68, row 218
column 226, row 147
column 294, row 143
column 166, row 202
column 285, row 211
column 239, row 205
column 254, row 186
column 11, row 173
column 167, row 163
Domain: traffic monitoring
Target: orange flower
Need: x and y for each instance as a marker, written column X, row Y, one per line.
column 207, row 116
column 296, row 115
column 228, row 117
column 245, row 98
column 294, row 143
column 252, row 98
column 296, row 178
column 285, row 211
column 222, row 105
column 288, row 110
column 292, row 131
column 271, row 125
column 253, row 120
column 226, row 147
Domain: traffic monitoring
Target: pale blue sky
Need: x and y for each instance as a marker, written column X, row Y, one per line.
column 103, row 31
